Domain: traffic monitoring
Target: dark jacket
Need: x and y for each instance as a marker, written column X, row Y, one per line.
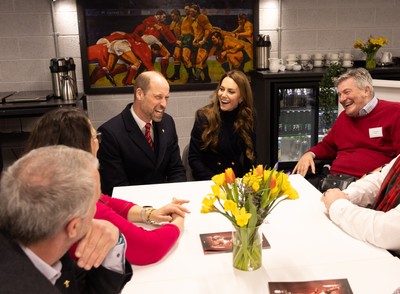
column 19, row 275
column 127, row 159
column 230, row 152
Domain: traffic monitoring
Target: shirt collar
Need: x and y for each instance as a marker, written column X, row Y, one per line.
column 52, row 273
column 139, row 122
column 369, row 107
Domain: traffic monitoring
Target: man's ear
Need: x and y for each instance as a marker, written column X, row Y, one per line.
column 139, row 94
column 73, row 227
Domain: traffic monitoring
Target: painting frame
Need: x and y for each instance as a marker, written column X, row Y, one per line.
column 109, row 17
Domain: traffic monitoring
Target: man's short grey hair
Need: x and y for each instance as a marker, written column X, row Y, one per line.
column 361, row 77
column 44, row 190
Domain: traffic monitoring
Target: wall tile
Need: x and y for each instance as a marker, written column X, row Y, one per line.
column 316, row 18
column 300, row 40
column 9, row 48
column 356, row 18
column 32, row 6
column 7, row 6
column 37, row 47
column 289, row 19
column 328, row 40
column 387, row 17
column 69, row 46
column 299, row 4
column 66, row 23
column 375, row 4
column 20, row 25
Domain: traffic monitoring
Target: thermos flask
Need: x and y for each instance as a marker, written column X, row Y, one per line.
column 63, row 78
column 263, row 50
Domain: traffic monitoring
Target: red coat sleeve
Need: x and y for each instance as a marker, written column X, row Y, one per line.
column 143, row 246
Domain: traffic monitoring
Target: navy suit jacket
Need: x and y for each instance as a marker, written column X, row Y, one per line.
column 127, row 159
column 19, row 275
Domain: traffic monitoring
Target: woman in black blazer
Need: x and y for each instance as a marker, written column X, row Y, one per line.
column 223, row 134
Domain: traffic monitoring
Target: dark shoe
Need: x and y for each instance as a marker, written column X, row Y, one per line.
column 174, row 77
column 111, row 79
column 206, row 80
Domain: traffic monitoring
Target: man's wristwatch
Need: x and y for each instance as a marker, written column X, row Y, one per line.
column 121, row 239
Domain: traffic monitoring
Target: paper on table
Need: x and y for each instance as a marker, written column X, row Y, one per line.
column 221, row 242
column 341, row 286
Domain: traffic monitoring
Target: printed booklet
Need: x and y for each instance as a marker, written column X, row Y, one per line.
column 336, row 286
column 222, row 242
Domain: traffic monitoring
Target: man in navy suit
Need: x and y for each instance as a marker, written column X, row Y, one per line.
column 47, row 203
column 129, row 156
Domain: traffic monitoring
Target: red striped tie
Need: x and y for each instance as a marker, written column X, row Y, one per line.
column 148, row 137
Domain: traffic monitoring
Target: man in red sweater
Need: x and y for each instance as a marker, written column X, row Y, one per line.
column 365, row 136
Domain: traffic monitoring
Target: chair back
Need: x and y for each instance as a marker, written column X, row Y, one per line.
column 185, row 161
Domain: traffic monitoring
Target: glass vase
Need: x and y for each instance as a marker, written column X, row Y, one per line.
column 370, row 62
column 247, row 248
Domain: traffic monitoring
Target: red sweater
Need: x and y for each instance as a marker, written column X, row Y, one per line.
column 349, row 143
column 143, row 246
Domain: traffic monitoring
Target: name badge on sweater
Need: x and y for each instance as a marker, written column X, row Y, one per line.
column 375, row 132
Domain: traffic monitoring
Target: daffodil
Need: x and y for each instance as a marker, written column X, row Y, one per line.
column 372, row 45
column 219, row 179
column 208, row 205
column 230, row 205
column 248, row 200
column 217, row 192
column 242, row 217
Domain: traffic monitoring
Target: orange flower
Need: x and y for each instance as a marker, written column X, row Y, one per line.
column 259, row 170
column 229, row 176
column 272, row 183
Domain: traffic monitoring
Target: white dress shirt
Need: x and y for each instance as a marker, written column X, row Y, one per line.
column 114, row 261
column 355, row 218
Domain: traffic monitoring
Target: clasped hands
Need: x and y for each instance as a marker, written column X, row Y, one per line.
column 170, row 211
column 331, row 195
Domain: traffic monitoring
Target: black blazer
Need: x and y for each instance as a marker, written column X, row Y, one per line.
column 127, row 159
column 230, row 152
column 19, row 275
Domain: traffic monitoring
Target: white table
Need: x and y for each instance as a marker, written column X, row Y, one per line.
column 305, row 245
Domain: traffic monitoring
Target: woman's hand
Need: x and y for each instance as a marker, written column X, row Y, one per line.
column 165, row 213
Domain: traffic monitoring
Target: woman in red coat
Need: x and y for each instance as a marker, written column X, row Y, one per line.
column 72, row 127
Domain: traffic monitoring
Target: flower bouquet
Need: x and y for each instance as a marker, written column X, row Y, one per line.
column 370, row 47
column 246, row 202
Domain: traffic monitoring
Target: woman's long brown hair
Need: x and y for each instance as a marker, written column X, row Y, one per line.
column 62, row 126
column 243, row 125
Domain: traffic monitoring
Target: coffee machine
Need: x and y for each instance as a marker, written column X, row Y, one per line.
column 64, row 78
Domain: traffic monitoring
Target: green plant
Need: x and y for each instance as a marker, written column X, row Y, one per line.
column 327, row 94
